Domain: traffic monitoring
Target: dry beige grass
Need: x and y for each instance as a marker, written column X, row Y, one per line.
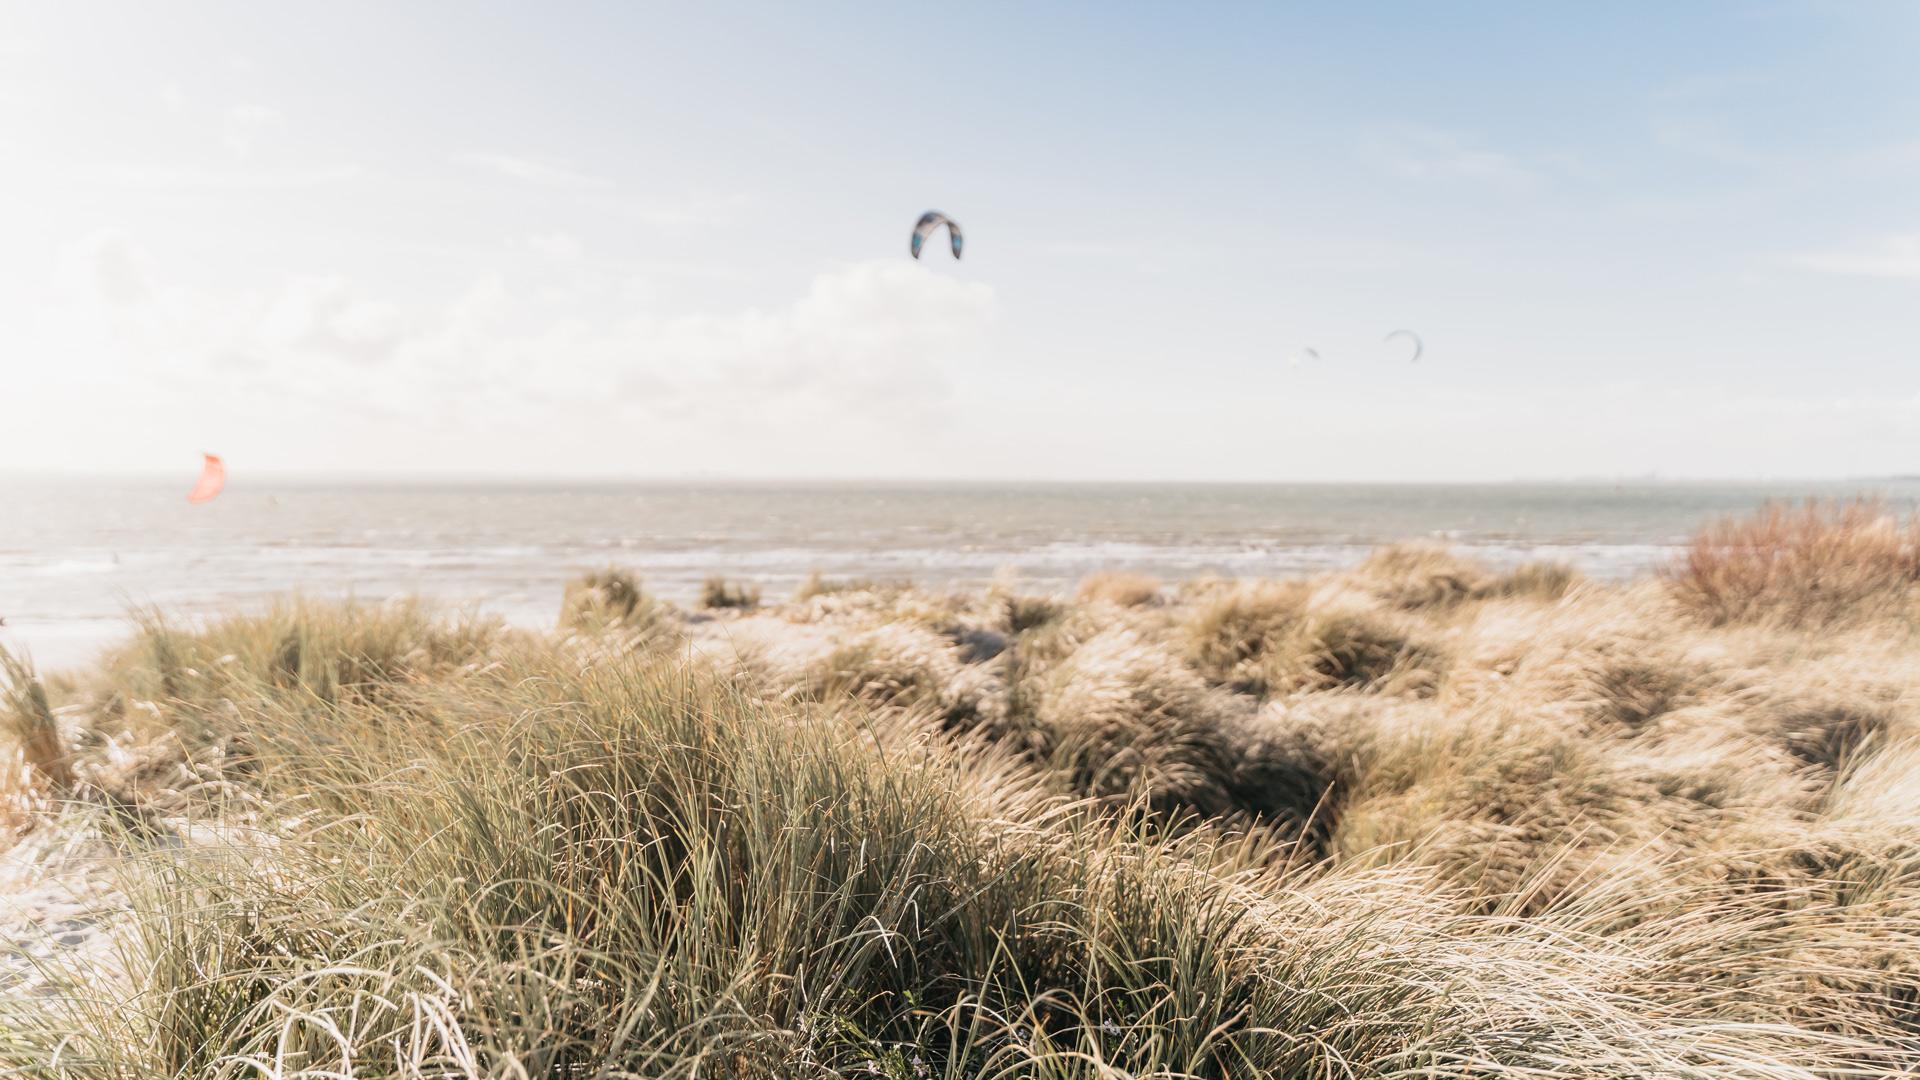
column 1121, row 717
column 602, row 598
column 26, row 719
column 1538, row 581
column 719, row 593
column 1119, row 588
column 1278, row 637
column 1414, row 818
column 817, row 585
column 1418, row 576
column 1229, row 632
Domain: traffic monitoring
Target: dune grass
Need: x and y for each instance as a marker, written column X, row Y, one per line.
column 1120, row 588
column 27, row 720
column 719, row 592
column 1416, row 819
column 603, row 598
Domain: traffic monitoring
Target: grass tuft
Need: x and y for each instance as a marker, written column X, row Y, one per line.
column 719, row 593
column 27, row 720
column 1119, row 588
column 603, row 598
column 1416, row 576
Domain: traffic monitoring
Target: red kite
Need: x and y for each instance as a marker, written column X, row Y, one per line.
column 213, row 477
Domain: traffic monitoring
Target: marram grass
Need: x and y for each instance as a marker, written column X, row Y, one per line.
column 1497, row 826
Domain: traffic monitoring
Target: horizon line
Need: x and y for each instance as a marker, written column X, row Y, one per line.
column 375, row 478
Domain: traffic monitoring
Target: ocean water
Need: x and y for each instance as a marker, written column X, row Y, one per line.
column 77, row 555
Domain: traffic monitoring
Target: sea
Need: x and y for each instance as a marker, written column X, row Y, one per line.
column 77, row 555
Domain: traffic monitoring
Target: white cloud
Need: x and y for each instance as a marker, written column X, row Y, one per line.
column 870, row 333
column 1895, row 256
column 529, row 170
column 872, row 340
column 327, row 317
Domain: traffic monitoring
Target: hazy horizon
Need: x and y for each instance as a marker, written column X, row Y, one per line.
column 173, row 476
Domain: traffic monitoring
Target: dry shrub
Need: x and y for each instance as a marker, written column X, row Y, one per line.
column 606, row 598
column 1820, row 563
column 1119, row 588
column 1417, row 576
column 718, row 593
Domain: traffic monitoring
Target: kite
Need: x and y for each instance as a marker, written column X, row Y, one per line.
column 930, row 221
column 213, row 477
column 1418, row 347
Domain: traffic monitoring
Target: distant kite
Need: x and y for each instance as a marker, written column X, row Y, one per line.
column 930, row 221
column 1418, row 347
column 213, row 477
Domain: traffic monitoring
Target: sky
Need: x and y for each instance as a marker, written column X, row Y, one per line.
column 626, row 240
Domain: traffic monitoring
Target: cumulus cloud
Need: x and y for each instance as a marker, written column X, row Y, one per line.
column 1896, row 256
column 870, row 333
column 872, row 340
column 326, row 317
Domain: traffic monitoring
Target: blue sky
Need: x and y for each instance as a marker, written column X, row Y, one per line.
column 617, row 240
